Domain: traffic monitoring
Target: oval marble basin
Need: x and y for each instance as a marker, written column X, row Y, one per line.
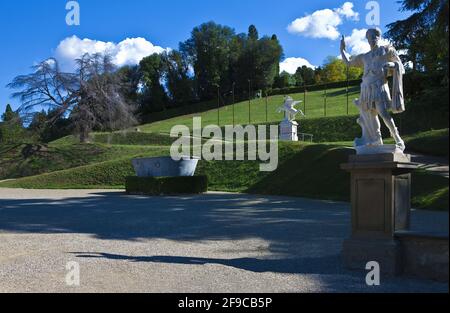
column 164, row 167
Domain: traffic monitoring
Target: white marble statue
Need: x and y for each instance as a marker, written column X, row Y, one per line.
column 289, row 109
column 288, row 126
column 376, row 100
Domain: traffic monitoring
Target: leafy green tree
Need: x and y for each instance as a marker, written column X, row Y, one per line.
column 258, row 61
column 299, row 81
column 179, row 83
column 9, row 114
column 319, row 75
column 208, row 50
column 424, row 35
column 270, row 53
column 275, row 39
column 130, row 78
column 284, row 80
column 238, row 70
column 50, row 126
column 38, row 122
column 222, row 58
column 308, row 75
column 11, row 129
column 253, row 33
column 355, row 73
column 154, row 97
column 334, row 70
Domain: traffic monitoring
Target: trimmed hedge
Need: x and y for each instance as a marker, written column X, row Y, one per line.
column 155, row 186
column 318, row 87
column 433, row 142
column 128, row 138
column 133, row 138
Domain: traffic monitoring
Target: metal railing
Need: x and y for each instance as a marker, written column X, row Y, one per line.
column 304, row 137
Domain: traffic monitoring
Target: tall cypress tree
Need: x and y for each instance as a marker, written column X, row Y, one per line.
column 9, row 114
column 253, row 33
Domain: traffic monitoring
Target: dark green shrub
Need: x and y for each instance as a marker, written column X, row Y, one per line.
column 156, row 186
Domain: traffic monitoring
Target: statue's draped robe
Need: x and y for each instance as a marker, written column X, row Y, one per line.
column 375, row 88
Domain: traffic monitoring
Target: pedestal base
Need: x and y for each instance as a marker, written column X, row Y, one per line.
column 357, row 253
column 289, row 131
column 382, row 149
column 381, row 204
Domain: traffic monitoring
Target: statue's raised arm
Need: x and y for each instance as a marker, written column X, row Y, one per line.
column 355, row 61
column 344, row 54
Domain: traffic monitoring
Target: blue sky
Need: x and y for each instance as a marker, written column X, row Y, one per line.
column 32, row 30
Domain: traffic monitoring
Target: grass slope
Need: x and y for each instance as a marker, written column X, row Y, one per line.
column 16, row 162
column 109, row 174
column 336, row 106
column 434, row 142
column 306, row 170
column 121, row 138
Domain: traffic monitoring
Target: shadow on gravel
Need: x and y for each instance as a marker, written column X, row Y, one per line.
column 319, row 265
column 292, row 227
column 303, row 236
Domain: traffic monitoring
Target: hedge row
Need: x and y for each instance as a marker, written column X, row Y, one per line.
column 133, row 138
column 318, row 87
column 155, row 186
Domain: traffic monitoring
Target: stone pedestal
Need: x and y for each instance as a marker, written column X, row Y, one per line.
column 381, row 204
column 289, row 130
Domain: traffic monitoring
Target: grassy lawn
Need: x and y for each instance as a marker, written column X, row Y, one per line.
column 429, row 191
column 305, row 170
column 58, row 156
column 434, row 142
column 127, row 138
column 336, row 106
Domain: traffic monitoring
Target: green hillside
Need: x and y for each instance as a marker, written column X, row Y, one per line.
column 315, row 107
column 306, row 170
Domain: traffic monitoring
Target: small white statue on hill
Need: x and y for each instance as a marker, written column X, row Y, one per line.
column 289, row 127
column 289, row 109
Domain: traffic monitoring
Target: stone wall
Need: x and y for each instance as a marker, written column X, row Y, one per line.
column 425, row 255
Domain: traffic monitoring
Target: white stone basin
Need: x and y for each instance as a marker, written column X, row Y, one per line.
column 164, row 167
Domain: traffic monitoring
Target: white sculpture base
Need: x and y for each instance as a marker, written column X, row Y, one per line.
column 289, row 131
column 380, row 149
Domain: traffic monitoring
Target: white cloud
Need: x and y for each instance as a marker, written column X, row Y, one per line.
column 323, row 23
column 127, row 52
column 347, row 11
column 291, row 65
column 357, row 42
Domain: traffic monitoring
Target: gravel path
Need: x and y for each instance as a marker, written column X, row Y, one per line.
column 209, row 243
